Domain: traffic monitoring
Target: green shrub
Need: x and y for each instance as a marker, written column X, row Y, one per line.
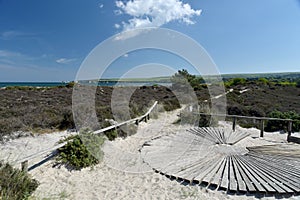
column 111, row 134
column 274, row 125
column 70, row 84
column 235, row 82
column 263, row 81
column 15, row 184
column 183, row 78
column 81, row 151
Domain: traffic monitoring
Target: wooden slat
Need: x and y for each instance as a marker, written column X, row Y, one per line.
column 240, row 182
column 260, row 176
column 232, row 176
column 267, row 169
column 269, row 178
column 249, row 185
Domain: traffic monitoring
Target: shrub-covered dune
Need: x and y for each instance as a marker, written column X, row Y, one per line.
column 50, row 109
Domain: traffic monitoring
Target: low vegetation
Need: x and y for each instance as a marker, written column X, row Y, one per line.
column 50, row 109
column 274, row 125
column 83, row 150
column 47, row 110
column 274, row 95
column 15, row 184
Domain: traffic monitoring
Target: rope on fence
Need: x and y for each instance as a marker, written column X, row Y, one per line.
column 146, row 116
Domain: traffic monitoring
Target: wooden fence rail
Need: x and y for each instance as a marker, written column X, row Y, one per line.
column 145, row 117
column 261, row 119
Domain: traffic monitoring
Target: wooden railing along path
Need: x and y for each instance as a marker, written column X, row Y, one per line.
column 145, row 117
column 261, row 119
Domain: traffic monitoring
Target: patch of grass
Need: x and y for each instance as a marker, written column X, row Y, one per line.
column 15, row 184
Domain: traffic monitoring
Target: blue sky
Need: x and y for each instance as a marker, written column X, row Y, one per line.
column 48, row 40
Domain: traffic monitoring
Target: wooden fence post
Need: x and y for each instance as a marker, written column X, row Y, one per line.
column 262, row 126
column 24, row 166
column 233, row 123
column 290, row 125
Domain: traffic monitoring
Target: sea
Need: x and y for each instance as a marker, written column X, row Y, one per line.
column 100, row 83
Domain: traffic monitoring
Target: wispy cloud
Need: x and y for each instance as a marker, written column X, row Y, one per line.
column 12, row 34
column 16, row 60
column 6, row 53
column 150, row 13
column 65, row 60
column 16, row 66
column 101, row 5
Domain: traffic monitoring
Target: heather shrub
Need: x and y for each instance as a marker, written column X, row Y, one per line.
column 83, row 150
column 15, row 184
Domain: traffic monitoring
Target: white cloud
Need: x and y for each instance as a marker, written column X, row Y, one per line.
column 65, row 60
column 11, row 34
column 5, row 53
column 101, row 5
column 155, row 13
column 117, row 26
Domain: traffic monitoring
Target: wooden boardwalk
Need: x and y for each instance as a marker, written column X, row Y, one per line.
column 213, row 157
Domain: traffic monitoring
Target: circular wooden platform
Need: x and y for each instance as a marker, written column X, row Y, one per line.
column 221, row 159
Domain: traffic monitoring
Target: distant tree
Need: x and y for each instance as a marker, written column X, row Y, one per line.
column 183, row 77
column 235, row 82
column 263, row 81
column 238, row 81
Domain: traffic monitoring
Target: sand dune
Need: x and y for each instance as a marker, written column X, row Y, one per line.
column 122, row 174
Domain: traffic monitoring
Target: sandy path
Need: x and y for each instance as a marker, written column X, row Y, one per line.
column 122, row 174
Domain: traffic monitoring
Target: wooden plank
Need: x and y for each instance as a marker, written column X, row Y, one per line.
column 209, row 178
column 290, row 126
column 276, row 166
column 278, row 177
column 250, row 175
column 233, row 123
column 240, row 182
column 224, row 182
column 246, row 179
column 262, row 127
column 273, row 179
column 206, row 170
column 131, row 121
column 200, row 166
column 281, row 177
column 216, row 179
column 232, row 176
column 27, row 158
column 243, row 117
column 259, row 175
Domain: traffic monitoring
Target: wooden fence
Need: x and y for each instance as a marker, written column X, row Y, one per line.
column 261, row 119
column 137, row 120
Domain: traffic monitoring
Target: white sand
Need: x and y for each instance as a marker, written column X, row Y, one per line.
column 122, row 174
